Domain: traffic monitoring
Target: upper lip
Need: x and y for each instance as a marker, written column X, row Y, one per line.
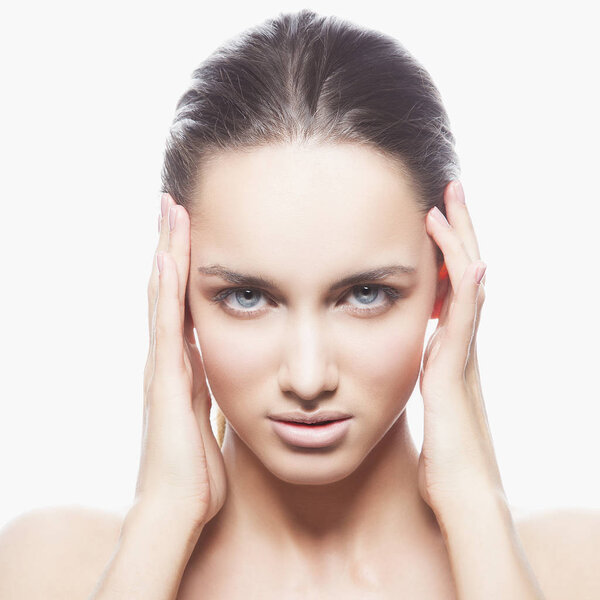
column 318, row 417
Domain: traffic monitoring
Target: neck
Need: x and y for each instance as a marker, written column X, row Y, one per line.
column 378, row 505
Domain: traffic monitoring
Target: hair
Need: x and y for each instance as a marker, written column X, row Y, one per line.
column 307, row 77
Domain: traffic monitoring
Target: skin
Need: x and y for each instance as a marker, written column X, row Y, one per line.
column 270, row 538
column 306, row 216
column 284, row 530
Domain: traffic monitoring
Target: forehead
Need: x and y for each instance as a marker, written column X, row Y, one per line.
column 306, row 206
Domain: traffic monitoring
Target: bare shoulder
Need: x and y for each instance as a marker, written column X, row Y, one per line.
column 563, row 548
column 56, row 552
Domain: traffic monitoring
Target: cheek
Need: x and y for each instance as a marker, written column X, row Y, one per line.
column 234, row 358
column 388, row 360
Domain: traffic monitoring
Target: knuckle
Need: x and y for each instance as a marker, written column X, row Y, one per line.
column 457, row 244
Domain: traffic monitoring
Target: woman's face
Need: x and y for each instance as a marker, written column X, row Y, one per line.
column 305, row 218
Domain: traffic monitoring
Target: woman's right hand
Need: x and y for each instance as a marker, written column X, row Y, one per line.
column 181, row 463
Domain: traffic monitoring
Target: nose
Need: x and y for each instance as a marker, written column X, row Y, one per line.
column 307, row 367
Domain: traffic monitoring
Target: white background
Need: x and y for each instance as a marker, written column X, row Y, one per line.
column 89, row 92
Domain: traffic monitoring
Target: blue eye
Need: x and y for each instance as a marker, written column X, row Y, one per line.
column 366, row 294
column 370, row 289
column 244, row 297
column 241, row 296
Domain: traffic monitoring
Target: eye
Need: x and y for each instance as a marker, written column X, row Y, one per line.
column 246, row 298
column 367, row 295
column 371, row 298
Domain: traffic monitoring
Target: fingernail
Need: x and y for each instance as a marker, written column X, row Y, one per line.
column 172, row 217
column 459, row 192
column 480, row 272
column 438, row 215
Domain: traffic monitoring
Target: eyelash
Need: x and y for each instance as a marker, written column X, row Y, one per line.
column 392, row 295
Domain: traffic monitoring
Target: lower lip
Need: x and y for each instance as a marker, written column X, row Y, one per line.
column 311, row 436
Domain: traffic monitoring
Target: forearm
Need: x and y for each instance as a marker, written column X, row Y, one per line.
column 486, row 555
column 150, row 558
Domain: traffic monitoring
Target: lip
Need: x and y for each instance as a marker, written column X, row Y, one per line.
column 311, row 436
column 302, row 417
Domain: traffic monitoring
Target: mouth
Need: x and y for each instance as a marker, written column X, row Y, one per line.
column 318, row 417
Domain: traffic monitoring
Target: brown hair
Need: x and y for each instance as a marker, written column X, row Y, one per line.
column 303, row 76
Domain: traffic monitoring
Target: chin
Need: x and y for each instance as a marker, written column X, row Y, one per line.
column 308, row 474
column 302, row 466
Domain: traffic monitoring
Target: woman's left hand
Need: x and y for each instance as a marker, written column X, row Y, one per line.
column 457, row 458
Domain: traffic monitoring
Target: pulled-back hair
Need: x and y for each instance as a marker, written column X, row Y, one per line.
column 307, row 77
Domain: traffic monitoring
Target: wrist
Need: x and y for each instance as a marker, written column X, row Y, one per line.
column 460, row 510
column 484, row 549
column 152, row 552
column 160, row 515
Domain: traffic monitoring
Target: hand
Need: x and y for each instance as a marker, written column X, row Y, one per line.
column 457, row 458
column 181, row 462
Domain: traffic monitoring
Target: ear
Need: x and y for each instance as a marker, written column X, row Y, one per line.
column 441, row 292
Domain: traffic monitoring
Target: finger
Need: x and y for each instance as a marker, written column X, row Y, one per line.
column 179, row 248
column 459, row 218
column 450, row 297
column 153, row 287
column 168, row 334
column 162, row 245
column 462, row 319
column 445, row 236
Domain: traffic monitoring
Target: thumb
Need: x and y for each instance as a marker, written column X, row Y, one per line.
column 201, row 398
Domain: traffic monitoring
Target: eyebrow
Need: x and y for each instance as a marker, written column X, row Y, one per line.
column 244, row 279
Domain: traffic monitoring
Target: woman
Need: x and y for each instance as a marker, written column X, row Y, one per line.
column 312, row 223
column 303, row 153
